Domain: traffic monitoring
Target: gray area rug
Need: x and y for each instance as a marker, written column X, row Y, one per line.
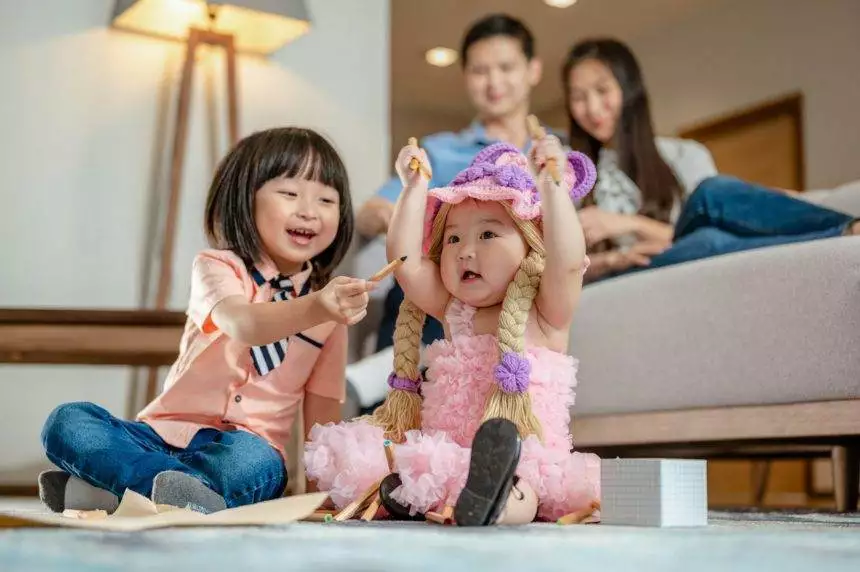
column 732, row 541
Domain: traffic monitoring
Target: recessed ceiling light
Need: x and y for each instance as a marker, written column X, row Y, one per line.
column 559, row 3
column 441, row 57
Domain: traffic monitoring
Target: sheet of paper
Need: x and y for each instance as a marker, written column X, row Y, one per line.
column 136, row 512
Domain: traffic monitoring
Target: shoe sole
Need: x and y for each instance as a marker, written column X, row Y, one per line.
column 495, row 456
column 396, row 510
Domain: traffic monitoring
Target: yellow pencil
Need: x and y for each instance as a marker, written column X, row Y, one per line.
column 388, row 269
column 415, row 164
column 389, row 454
column 537, row 132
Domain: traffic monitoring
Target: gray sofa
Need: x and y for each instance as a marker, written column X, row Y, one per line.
column 748, row 354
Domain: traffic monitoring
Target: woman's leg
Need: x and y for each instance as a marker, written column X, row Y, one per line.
column 89, row 443
column 746, row 209
column 238, row 465
column 708, row 241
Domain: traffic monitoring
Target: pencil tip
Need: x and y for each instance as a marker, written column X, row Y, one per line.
column 402, row 259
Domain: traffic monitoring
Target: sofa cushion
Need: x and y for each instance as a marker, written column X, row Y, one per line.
column 845, row 198
column 775, row 325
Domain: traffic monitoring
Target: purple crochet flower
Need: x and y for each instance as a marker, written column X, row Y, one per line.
column 403, row 383
column 513, row 373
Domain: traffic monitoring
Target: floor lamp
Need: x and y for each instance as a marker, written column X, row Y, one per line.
column 256, row 27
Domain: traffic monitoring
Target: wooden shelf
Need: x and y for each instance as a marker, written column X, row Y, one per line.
column 90, row 337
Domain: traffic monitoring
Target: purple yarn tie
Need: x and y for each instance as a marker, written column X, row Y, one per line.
column 513, row 373
column 403, row 383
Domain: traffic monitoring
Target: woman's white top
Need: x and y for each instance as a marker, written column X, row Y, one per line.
column 616, row 192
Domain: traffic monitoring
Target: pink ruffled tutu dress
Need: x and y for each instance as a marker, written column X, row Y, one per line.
column 347, row 458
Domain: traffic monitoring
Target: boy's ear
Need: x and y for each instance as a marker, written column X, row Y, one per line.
column 535, row 71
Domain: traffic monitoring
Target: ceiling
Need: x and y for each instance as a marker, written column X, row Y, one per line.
column 418, row 25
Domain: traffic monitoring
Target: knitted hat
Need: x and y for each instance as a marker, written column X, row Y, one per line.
column 501, row 173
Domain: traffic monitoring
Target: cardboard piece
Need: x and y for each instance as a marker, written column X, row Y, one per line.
column 136, row 512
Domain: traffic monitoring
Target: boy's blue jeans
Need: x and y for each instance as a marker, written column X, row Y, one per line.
column 725, row 215
column 86, row 441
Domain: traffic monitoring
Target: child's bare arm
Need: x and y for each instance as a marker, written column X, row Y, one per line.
column 561, row 282
column 418, row 276
column 326, row 386
column 343, row 300
column 322, row 410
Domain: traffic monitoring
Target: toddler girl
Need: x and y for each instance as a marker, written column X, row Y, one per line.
column 501, row 267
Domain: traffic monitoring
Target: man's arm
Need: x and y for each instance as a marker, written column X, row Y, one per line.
column 374, row 216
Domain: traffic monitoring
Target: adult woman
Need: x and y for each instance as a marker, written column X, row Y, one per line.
column 659, row 201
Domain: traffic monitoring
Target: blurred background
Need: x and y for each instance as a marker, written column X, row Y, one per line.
column 89, row 115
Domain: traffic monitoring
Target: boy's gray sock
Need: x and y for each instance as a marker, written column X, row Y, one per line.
column 184, row 491
column 60, row 491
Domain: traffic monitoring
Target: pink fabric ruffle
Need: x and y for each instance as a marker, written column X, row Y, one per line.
column 460, row 375
column 564, row 482
column 433, row 471
column 345, row 459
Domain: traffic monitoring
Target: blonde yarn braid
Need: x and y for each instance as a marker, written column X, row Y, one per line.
column 510, row 398
column 401, row 411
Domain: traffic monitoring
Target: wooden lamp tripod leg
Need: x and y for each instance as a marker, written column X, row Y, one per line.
column 180, row 136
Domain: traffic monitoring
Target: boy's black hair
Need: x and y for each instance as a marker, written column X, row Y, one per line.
column 263, row 156
column 497, row 25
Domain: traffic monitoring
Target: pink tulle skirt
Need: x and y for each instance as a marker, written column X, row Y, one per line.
column 347, row 458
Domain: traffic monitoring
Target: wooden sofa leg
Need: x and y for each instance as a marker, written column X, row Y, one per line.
column 846, row 477
column 760, row 474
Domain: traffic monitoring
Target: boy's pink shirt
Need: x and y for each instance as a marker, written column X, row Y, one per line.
column 213, row 382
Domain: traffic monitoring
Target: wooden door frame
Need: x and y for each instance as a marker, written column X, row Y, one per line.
column 791, row 104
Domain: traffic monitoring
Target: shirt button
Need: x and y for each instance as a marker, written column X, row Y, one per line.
column 237, row 399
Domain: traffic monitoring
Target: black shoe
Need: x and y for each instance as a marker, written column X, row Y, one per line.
column 495, row 456
column 395, row 509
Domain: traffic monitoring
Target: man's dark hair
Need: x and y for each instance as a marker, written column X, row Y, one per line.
column 498, row 25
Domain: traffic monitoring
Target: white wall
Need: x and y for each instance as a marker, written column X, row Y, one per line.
column 85, row 117
column 741, row 52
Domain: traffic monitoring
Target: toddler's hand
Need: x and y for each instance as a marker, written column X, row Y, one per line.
column 403, row 165
column 548, row 154
column 345, row 299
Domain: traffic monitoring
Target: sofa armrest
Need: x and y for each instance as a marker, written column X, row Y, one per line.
column 774, row 325
column 845, row 198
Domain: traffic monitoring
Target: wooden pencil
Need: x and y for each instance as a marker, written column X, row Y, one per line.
column 352, row 508
column 372, row 509
column 537, row 132
column 388, row 269
column 415, row 164
column 389, row 454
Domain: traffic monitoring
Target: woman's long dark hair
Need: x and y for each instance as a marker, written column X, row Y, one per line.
column 634, row 136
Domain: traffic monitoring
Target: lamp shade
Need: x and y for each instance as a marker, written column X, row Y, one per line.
column 257, row 26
